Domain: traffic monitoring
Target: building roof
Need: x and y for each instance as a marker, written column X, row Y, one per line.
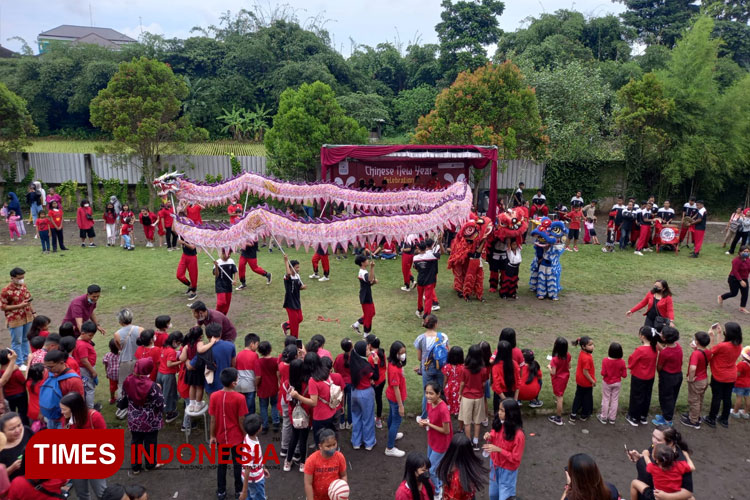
column 6, row 52
column 95, row 39
column 76, row 32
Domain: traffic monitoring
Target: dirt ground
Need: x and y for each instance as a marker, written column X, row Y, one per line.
column 721, row 456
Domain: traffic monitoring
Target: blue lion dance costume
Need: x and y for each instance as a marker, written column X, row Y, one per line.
column 544, row 279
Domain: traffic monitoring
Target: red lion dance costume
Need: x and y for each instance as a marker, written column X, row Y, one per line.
column 466, row 251
column 511, row 225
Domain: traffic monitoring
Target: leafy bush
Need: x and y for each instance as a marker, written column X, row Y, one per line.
column 236, row 165
column 68, row 192
column 141, row 193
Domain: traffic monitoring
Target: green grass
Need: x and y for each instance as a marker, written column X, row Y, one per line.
column 215, row 148
column 598, row 289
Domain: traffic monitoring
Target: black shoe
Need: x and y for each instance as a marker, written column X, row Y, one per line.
column 685, row 420
column 264, row 431
column 98, row 406
column 709, row 422
column 572, row 419
column 644, row 420
column 632, row 421
column 221, row 495
column 724, row 423
column 268, row 278
column 555, row 419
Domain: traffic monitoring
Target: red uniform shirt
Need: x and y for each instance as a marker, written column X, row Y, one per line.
column 670, row 359
column 269, row 382
column 42, row 224
column 743, row 375
column 73, row 364
column 613, row 370
column 510, row 458
column 16, row 384
column 498, row 378
column 165, row 216
column 155, row 353
column 56, row 215
column 585, row 365
column 324, row 471
column 338, row 367
column 642, row 363
column 85, row 350
column 575, row 217
column 320, row 388
column 194, row 213
column 160, row 338
column 395, row 377
column 670, row 480
column 438, row 415
column 474, row 383
column 227, row 408
column 126, row 229
column 168, row 354
column 723, row 361
column 94, row 420
column 699, row 359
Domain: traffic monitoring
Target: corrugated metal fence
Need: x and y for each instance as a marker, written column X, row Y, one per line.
column 55, row 168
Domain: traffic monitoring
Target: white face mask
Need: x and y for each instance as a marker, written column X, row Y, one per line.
column 86, row 205
column 402, row 357
column 169, row 326
column 692, row 344
column 20, row 282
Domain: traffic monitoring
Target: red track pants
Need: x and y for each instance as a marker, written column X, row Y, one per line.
column 189, row 263
column 149, row 232
column 643, row 237
column 406, row 261
column 295, row 318
column 223, row 301
column 254, row 267
column 322, row 259
column 428, row 292
column 368, row 312
column 698, row 235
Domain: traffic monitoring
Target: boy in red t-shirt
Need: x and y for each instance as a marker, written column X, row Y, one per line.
column 228, row 409
column 85, row 355
column 247, row 365
column 742, row 386
column 666, row 471
column 268, row 385
column 125, row 231
column 697, row 379
column 324, row 466
column 576, row 218
column 169, row 365
column 42, row 227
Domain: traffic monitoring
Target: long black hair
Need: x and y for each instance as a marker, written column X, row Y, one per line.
column 474, row 360
column 505, row 355
column 673, row 436
column 393, row 354
column 346, row 346
column 460, row 456
column 651, row 335
column 78, row 409
column 560, row 348
column 359, row 367
column 509, row 335
column 486, row 352
column 39, row 324
column 733, row 333
column 314, row 367
column 297, row 375
column 416, row 460
column 513, row 421
column 528, row 358
column 289, row 353
column 374, row 342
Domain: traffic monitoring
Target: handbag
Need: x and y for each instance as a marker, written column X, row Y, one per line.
column 660, row 322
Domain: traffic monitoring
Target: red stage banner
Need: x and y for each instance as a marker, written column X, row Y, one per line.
column 398, row 174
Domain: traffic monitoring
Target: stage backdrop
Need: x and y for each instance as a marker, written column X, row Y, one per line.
column 398, row 174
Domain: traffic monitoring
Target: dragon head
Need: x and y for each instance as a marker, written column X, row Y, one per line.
column 168, row 183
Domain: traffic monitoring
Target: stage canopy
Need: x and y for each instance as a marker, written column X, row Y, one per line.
column 400, row 165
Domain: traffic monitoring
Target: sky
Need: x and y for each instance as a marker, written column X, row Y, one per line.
column 366, row 22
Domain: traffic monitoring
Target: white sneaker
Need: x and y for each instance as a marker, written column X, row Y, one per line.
column 394, row 452
column 405, row 288
column 314, row 276
column 419, row 314
column 638, row 253
column 399, row 435
column 23, row 367
column 324, row 278
column 355, row 327
column 436, row 308
column 727, row 253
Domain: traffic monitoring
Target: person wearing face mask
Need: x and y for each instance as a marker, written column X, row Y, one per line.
column 204, row 316
column 324, row 466
column 85, row 221
column 659, row 308
column 81, row 309
column 396, row 395
column 738, row 279
column 15, row 301
column 416, row 484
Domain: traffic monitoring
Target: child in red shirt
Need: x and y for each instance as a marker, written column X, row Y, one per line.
column 697, row 379
column 14, row 389
column 33, row 385
column 341, row 366
column 247, row 365
column 471, row 393
column 666, row 471
column 42, row 227
column 505, row 443
column 126, row 232
column 742, row 386
column 324, row 466
column 146, row 348
column 149, row 220
column 452, row 372
column 166, row 221
column 234, row 210
column 169, row 365
column 439, row 428
column 642, row 366
column 268, row 385
column 613, row 371
column 228, row 410
column 585, row 381
column 575, row 217
column 559, row 372
column 110, row 224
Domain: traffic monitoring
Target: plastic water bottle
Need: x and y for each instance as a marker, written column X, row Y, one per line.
column 485, row 453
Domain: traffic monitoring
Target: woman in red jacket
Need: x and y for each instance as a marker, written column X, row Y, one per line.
column 723, row 370
column 85, row 221
column 658, row 303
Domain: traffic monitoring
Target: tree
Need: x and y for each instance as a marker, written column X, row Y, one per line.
column 234, row 122
column 410, row 105
column 368, row 109
column 466, row 27
column 643, row 121
column 140, row 108
column 16, row 124
column 492, row 105
column 308, row 118
column 658, row 21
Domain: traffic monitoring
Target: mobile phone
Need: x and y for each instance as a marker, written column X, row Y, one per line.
column 299, row 343
column 549, row 358
column 32, row 298
column 626, row 448
column 714, row 326
column 565, row 468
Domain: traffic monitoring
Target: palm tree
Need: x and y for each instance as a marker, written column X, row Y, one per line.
column 234, row 120
column 260, row 119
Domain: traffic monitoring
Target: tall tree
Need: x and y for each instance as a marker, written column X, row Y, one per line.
column 658, row 21
column 467, row 27
column 369, row 110
column 140, row 108
column 308, row 118
column 411, row 104
column 15, row 124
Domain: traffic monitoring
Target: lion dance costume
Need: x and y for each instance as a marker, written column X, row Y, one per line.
column 545, row 268
column 467, row 250
column 511, row 225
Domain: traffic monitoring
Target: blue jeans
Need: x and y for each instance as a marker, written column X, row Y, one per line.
column 126, row 239
column 264, row 410
column 502, row 483
column 257, row 491
column 624, row 238
column 363, row 419
column 250, row 401
column 309, row 212
column 53, row 424
column 435, row 459
column 430, row 375
column 394, row 421
column 19, row 343
column 347, row 417
column 44, row 237
column 35, row 209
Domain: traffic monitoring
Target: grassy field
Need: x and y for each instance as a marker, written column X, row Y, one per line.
column 598, row 289
column 205, row 148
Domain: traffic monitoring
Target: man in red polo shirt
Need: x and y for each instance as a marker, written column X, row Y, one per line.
column 81, row 309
